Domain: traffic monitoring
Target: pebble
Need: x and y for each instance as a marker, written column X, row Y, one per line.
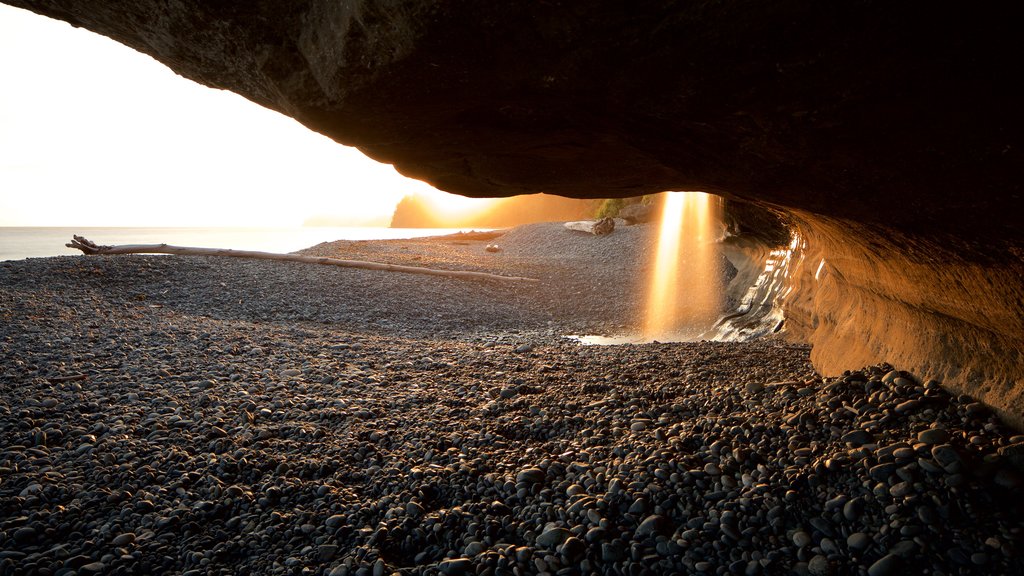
column 123, row 539
column 853, row 509
column 651, row 525
column 858, row 437
column 933, row 436
column 818, row 566
column 456, row 566
column 552, row 537
column 858, row 541
column 947, row 457
column 531, row 476
column 335, row 521
column 25, row 535
column 885, row 566
column 403, row 442
column 93, row 568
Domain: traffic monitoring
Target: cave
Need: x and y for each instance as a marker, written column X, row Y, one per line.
column 889, row 136
column 885, row 139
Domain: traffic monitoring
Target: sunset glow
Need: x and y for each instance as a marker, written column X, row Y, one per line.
column 684, row 296
column 93, row 133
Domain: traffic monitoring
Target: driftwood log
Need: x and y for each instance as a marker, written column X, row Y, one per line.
column 90, row 248
column 595, row 227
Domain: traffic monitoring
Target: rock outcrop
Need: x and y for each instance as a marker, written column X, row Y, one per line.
column 890, row 134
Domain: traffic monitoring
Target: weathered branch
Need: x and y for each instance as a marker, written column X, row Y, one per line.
column 90, row 248
column 596, row 227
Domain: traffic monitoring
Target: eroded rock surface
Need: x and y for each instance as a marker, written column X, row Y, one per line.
column 890, row 133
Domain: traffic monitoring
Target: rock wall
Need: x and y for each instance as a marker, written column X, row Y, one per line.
column 890, row 132
column 951, row 310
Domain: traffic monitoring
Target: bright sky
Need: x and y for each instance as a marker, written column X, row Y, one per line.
column 93, row 133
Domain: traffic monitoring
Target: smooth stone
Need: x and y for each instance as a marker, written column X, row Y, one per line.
column 818, row 566
column 414, row 510
column 904, row 548
column 928, row 515
column 853, row 509
column 858, row 541
column 456, row 566
column 653, row 524
column 901, row 489
column 291, row 373
column 947, row 457
column 123, row 539
column 955, row 480
column 822, row 525
column 523, row 554
column 473, row 548
column 552, row 537
column 882, row 472
column 25, row 534
column 611, row 553
column 907, row 406
column 573, row 547
column 531, row 476
column 1014, row 455
column 858, row 437
column 801, row 538
column 885, row 566
column 523, row 348
column 933, row 436
column 976, row 409
column 904, row 453
column 335, row 521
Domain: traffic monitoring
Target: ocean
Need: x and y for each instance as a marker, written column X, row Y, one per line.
column 17, row 243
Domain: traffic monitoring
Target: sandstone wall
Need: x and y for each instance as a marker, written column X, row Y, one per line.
column 946, row 309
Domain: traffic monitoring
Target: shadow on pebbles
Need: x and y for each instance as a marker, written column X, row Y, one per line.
column 198, row 416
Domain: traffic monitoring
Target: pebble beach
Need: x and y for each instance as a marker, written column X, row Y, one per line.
column 218, row 416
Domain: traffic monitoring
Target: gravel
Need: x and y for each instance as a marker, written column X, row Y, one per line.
column 197, row 416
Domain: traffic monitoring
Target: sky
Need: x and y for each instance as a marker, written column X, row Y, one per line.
column 93, row 133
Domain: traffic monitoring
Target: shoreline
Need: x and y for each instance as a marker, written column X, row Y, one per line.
column 191, row 415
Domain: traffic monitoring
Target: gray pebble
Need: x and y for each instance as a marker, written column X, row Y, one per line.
column 885, row 566
column 933, row 436
column 531, row 476
column 818, row 566
column 552, row 537
column 858, row 541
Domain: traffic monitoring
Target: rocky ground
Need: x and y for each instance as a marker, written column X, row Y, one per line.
column 172, row 415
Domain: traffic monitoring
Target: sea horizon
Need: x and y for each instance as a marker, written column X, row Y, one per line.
column 20, row 242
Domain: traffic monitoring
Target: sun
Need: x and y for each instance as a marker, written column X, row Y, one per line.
column 453, row 207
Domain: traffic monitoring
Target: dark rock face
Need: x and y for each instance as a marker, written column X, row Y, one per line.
column 891, row 133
